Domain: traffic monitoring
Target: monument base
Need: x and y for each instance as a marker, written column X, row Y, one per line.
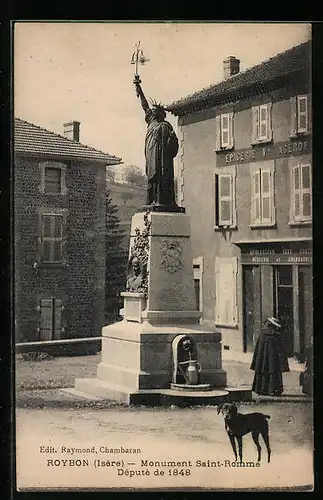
column 160, row 335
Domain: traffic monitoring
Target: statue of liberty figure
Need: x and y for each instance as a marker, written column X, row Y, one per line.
column 161, row 147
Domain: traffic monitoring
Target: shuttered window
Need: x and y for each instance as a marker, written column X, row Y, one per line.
column 224, row 131
column 52, row 238
column 53, row 182
column 299, row 114
column 225, row 200
column 261, row 123
column 301, row 200
column 226, row 291
column 50, row 319
column 262, row 197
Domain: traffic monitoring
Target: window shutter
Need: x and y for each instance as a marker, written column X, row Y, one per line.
column 226, row 287
column 234, row 206
column 263, row 122
column 306, row 191
column 231, row 131
column 216, row 199
column 269, row 121
column 218, row 133
column 225, row 200
column 255, row 197
column 296, row 192
column 302, row 114
column 266, row 195
column 255, row 124
column 46, row 327
column 58, row 319
column 293, row 116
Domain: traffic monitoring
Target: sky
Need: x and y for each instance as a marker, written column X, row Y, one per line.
column 81, row 71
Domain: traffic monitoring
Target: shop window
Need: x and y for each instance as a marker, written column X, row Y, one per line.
column 50, row 326
column 299, row 115
column 262, row 197
column 51, row 238
column 224, row 131
column 261, row 123
column 225, row 200
column 301, row 193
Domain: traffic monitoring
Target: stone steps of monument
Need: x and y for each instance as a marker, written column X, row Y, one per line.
column 94, row 388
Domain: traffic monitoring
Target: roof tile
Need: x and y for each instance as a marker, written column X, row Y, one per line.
column 32, row 139
column 294, row 59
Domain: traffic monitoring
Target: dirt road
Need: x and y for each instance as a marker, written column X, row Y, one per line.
column 195, row 438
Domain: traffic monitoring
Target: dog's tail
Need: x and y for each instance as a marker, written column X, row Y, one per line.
column 267, row 416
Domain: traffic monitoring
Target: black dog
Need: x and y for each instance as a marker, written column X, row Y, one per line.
column 238, row 424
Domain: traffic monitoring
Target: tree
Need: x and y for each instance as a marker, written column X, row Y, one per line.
column 125, row 196
column 116, row 262
column 134, row 176
column 110, row 175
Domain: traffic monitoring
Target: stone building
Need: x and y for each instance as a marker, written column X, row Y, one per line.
column 59, row 234
column 245, row 179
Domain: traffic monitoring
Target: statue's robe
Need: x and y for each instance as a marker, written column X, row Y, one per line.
column 161, row 147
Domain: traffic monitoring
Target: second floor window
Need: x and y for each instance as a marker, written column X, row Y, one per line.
column 262, row 197
column 53, row 178
column 299, row 115
column 52, row 238
column 224, row 131
column 301, row 193
column 261, row 123
column 225, row 210
column 53, row 182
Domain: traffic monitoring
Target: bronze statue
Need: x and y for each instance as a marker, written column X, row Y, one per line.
column 161, row 147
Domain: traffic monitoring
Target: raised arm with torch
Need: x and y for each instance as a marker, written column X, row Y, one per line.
column 161, row 145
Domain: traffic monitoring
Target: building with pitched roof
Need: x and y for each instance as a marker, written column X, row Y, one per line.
column 245, row 179
column 59, row 233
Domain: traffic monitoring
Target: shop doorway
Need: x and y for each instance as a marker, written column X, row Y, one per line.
column 251, row 306
column 283, row 304
column 305, row 306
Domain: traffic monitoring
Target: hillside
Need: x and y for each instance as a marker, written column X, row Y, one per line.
column 127, row 198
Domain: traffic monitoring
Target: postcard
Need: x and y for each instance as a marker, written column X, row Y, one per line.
column 163, row 256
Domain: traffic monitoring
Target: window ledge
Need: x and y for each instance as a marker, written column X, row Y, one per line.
column 259, row 142
column 260, row 225
column 50, row 265
column 224, row 228
column 300, row 223
column 62, row 193
column 226, row 148
column 299, row 135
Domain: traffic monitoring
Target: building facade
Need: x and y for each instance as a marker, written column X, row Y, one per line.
column 59, row 234
column 245, row 178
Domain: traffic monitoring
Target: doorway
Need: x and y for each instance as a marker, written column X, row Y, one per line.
column 283, row 304
column 251, row 306
column 305, row 306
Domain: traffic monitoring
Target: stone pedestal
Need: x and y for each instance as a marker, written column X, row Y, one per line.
column 137, row 357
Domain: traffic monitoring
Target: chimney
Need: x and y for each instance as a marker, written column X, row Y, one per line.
column 72, row 130
column 231, row 66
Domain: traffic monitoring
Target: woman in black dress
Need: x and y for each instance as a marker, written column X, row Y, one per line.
column 269, row 360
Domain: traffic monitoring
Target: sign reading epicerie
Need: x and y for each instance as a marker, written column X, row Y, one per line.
column 264, row 152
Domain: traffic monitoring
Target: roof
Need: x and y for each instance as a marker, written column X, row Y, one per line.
column 286, row 63
column 34, row 140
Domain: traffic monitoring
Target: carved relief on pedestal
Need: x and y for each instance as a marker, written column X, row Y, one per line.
column 172, row 255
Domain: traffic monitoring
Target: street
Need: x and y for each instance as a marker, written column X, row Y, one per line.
column 119, row 447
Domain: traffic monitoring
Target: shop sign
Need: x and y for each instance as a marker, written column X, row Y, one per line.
column 271, row 257
column 265, row 152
